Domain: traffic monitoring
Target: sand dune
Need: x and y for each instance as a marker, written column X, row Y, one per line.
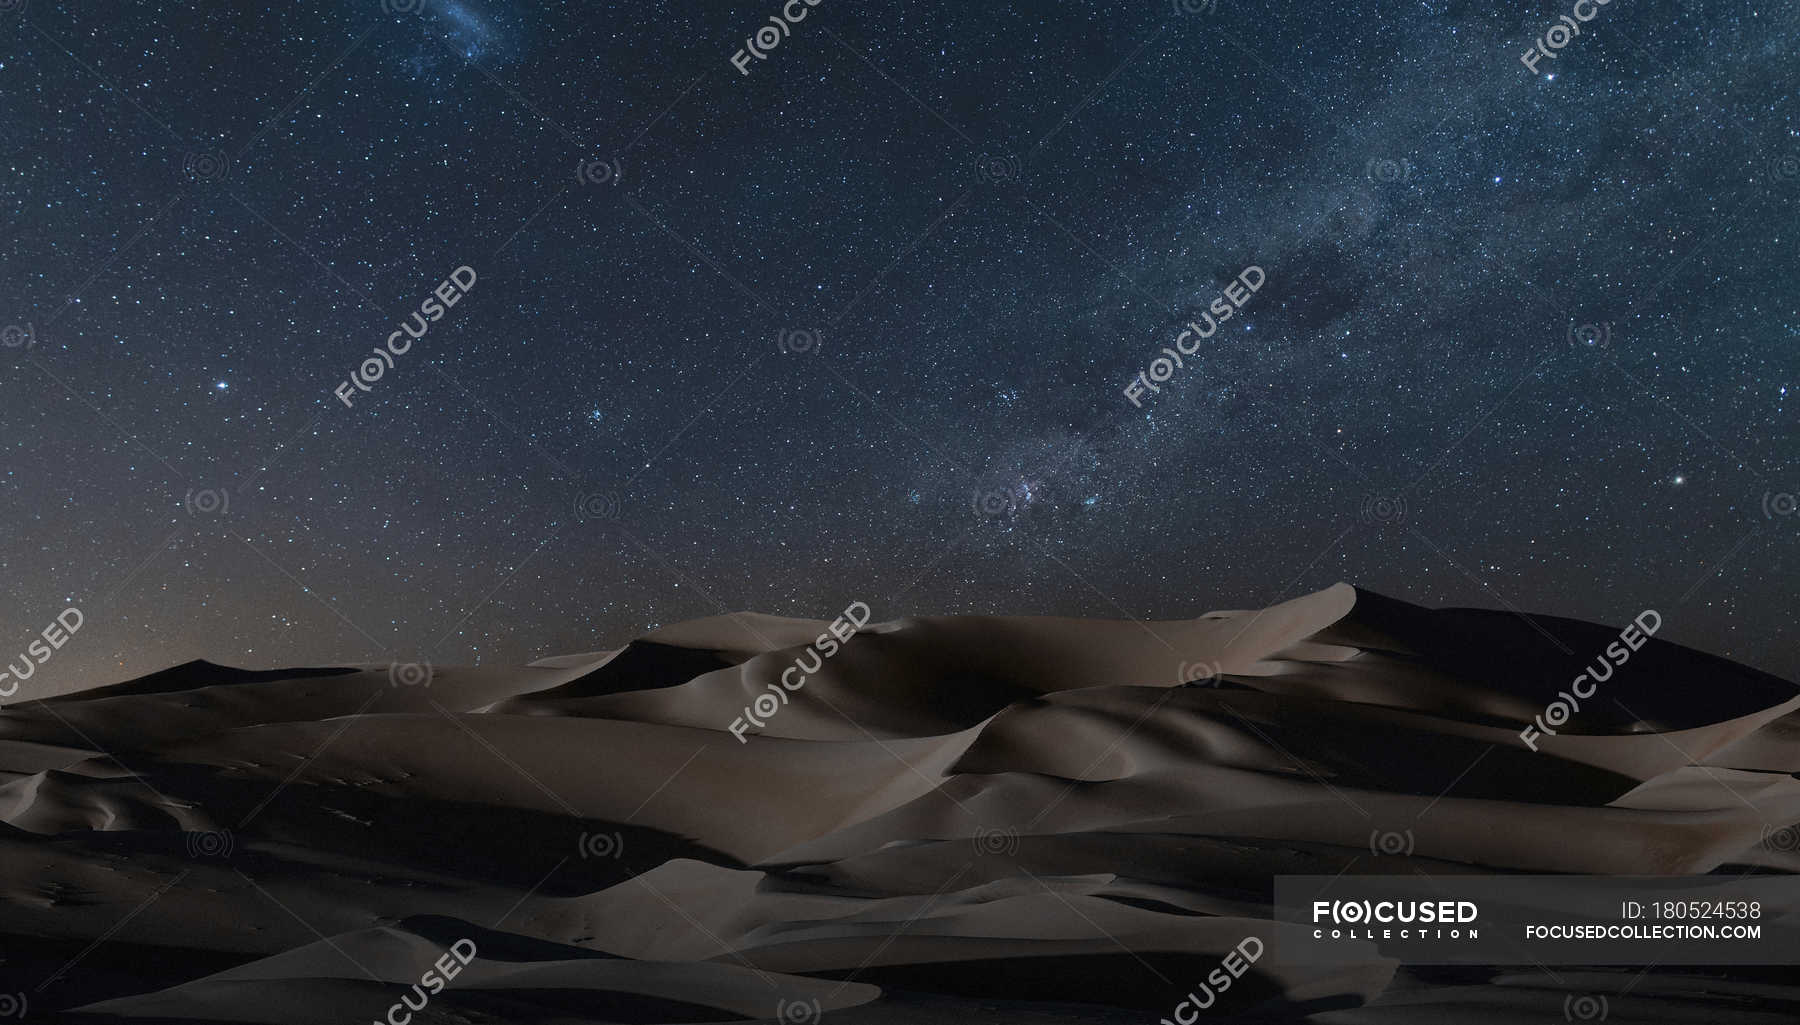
column 1008, row 818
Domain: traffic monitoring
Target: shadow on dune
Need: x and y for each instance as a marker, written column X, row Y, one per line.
column 1014, row 819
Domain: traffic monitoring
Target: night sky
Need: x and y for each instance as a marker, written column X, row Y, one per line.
column 859, row 324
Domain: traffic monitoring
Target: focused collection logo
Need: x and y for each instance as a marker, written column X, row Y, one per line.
column 1366, row 919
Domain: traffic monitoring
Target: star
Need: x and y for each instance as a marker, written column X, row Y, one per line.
column 1547, row 335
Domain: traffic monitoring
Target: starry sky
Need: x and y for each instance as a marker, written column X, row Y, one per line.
column 857, row 322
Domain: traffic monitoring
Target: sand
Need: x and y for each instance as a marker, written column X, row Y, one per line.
column 955, row 818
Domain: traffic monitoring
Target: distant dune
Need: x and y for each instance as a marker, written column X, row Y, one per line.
column 939, row 819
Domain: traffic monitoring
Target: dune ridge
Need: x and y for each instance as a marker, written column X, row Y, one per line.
column 1051, row 819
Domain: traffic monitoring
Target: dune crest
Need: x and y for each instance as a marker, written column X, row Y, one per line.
column 1052, row 816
